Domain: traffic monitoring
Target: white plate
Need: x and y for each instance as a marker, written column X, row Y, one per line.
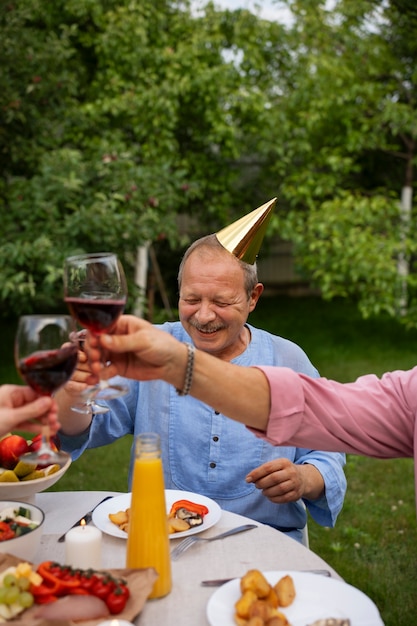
column 317, row 597
column 121, row 503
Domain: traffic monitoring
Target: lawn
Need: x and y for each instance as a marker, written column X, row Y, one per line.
column 374, row 544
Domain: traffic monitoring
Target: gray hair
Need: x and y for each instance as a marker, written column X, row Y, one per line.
column 210, row 241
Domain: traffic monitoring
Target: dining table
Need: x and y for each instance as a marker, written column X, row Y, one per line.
column 263, row 548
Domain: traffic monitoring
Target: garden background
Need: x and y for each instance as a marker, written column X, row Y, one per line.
column 129, row 123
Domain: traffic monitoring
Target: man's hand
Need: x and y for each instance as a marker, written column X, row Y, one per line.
column 282, row 481
column 137, row 350
column 78, row 381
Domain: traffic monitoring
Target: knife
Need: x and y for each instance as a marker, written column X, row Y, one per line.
column 87, row 517
column 217, row 582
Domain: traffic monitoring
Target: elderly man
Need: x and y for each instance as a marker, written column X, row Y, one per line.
column 203, row 451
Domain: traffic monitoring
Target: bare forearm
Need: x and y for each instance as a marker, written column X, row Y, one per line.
column 241, row 393
column 142, row 352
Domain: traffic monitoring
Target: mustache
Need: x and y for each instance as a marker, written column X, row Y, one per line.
column 206, row 328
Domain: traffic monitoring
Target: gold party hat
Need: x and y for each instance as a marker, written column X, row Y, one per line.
column 244, row 237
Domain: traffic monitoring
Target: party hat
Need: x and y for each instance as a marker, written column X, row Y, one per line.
column 244, row 237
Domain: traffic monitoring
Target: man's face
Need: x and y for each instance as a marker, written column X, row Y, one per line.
column 213, row 303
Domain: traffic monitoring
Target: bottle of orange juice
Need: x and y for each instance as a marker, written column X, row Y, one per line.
column 148, row 539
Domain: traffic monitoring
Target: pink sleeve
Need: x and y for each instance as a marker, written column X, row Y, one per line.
column 371, row 416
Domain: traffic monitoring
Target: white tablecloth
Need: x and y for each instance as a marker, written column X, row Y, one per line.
column 263, row 548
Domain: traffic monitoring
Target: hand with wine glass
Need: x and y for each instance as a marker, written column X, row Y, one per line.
column 45, row 357
column 22, row 408
column 95, row 291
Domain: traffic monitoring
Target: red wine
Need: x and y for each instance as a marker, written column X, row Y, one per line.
column 47, row 370
column 96, row 315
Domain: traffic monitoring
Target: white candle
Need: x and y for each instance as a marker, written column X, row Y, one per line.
column 83, row 547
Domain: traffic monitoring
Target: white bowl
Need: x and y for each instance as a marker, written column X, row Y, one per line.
column 25, row 490
column 25, row 546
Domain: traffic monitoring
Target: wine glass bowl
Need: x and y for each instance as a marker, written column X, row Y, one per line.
column 95, row 292
column 45, row 357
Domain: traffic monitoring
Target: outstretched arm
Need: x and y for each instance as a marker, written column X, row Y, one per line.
column 140, row 351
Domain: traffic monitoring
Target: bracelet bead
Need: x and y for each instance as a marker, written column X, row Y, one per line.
column 188, row 379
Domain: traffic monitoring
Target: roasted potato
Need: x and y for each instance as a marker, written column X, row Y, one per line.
column 259, row 603
column 255, row 621
column 272, row 598
column 119, row 518
column 278, row 620
column 285, row 591
column 176, row 525
column 255, row 581
column 244, row 603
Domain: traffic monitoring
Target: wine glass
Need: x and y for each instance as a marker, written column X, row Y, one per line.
column 45, row 357
column 95, row 291
column 88, row 406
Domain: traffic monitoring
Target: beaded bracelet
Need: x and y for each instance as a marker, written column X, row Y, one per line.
column 188, row 372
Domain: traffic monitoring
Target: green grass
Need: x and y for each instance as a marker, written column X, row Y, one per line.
column 374, row 544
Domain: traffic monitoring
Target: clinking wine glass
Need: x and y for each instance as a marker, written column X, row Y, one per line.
column 95, row 291
column 45, row 357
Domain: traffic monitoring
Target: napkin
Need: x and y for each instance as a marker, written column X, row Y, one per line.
column 140, row 582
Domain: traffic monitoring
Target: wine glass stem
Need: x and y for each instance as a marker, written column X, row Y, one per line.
column 45, row 436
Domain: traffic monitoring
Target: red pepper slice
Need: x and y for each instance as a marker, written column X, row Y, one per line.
column 79, row 591
column 200, row 509
column 60, row 586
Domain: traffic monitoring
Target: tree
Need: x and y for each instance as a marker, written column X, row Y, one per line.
column 348, row 148
column 117, row 116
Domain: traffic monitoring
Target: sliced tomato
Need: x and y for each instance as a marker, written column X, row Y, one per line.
column 6, row 532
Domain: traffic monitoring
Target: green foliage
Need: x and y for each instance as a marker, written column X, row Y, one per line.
column 348, row 149
column 117, row 116
column 347, row 240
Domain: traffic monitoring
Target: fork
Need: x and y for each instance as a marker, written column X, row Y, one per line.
column 189, row 541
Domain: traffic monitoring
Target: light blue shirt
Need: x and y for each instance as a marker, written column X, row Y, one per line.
column 207, row 453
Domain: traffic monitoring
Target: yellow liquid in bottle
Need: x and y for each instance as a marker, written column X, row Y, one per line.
column 148, row 539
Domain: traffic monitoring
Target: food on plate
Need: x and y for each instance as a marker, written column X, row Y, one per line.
column 41, row 590
column 62, row 580
column 255, row 581
column 74, row 608
column 285, row 591
column 15, row 521
column 12, row 468
column 121, row 519
column 15, row 595
column 182, row 516
column 260, row 601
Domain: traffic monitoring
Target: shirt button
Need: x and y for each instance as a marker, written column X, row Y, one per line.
column 215, row 438
column 216, row 412
column 212, row 465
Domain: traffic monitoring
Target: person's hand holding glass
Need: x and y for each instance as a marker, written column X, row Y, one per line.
column 45, row 357
column 95, row 291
